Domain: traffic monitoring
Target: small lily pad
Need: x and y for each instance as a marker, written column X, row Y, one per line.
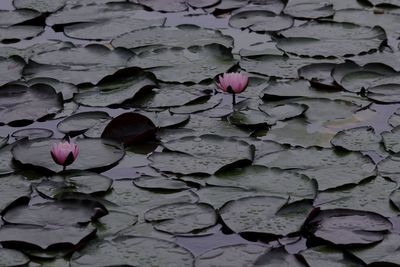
column 79, row 123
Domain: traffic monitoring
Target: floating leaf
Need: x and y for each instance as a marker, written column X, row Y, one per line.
column 13, row 188
column 278, row 257
column 329, row 256
column 260, row 20
column 11, row 70
column 10, row 257
column 42, row 6
column 79, row 123
column 390, row 140
column 309, row 9
column 357, row 139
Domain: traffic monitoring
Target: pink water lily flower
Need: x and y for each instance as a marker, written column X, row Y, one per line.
column 234, row 83
column 64, row 153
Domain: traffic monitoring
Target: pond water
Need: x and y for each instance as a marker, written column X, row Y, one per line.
column 301, row 171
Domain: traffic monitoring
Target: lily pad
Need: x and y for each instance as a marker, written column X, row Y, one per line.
column 115, row 89
column 160, row 183
column 357, row 139
column 330, row 39
column 232, row 256
column 6, row 160
column 16, row 33
column 265, row 215
column 13, row 17
column 189, row 65
column 349, row 227
column 72, row 181
column 370, row 196
column 278, row 257
column 329, row 168
column 136, row 251
column 79, row 123
column 11, row 69
column 114, row 222
column 329, row 256
column 10, row 257
column 390, row 140
column 251, row 119
column 130, row 128
column 20, row 104
column 284, row 111
column 309, row 10
column 180, row 36
column 42, row 6
column 13, row 188
column 260, row 20
column 94, row 154
column 181, row 218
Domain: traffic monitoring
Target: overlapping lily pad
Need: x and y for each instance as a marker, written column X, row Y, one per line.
column 10, row 257
column 98, row 154
column 357, row 139
column 11, row 69
column 260, row 20
column 81, row 122
column 40, row 5
column 329, row 256
column 13, row 188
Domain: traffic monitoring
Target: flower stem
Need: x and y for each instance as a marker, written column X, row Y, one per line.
column 64, row 168
column 233, row 99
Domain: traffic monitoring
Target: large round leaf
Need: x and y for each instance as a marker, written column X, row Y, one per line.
column 357, row 139
column 94, row 154
column 132, row 251
column 13, row 188
column 265, row 215
column 349, row 227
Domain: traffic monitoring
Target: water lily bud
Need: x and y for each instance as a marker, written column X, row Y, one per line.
column 234, row 83
column 64, row 153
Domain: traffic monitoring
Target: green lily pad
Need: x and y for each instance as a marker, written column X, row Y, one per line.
column 4, row 141
column 32, row 133
column 204, row 154
column 10, row 257
column 94, row 154
column 181, row 36
column 329, row 256
column 284, row 111
column 319, row 75
column 329, row 168
column 77, row 65
column 251, row 118
column 271, row 182
column 81, row 122
column 6, row 160
column 11, row 69
column 265, row 215
column 57, row 214
column 385, row 252
column 166, row 119
column 260, row 20
column 278, row 257
column 330, row 39
column 42, row 6
column 44, row 238
column 72, row 181
column 136, row 251
column 13, row 17
column 20, row 104
column 189, row 65
column 114, row 222
column 390, row 140
column 16, row 33
column 115, row 89
column 349, row 227
column 370, row 196
column 357, row 139
column 233, row 256
column 307, row 9
column 13, row 188
column 181, row 218
column 160, row 183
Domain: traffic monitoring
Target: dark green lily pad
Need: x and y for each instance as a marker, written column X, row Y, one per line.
column 56, row 214
column 389, row 167
column 72, row 181
column 284, row 111
column 204, row 154
column 370, row 196
column 390, row 140
column 132, row 251
column 330, row 39
column 210, row 104
column 109, row 29
column 11, row 69
column 114, row 222
column 181, row 36
column 260, row 20
column 233, row 256
column 16, row 33
column 189, row 65
column 44, row 237
column 166, row 119
column 42, row 6
column 130, row 128
column 79, row 123
column 181, row 218
column 6, row 160
column 385, row 93
column 329, row 168
column 265, row 215
column 66, row 89
column 20, row 104
column 13, row 17
column 77, row 65
column 384, row 253
column 349, row 227
column 277, row 65
column 160, row 183
column 94, row 154
column 115, row 89
column 251, row 118
column 13, row 188
column 309, row 9
column 329, row 256
column 319, row 75
column 278, row 257
column 271, row 182
column 132, row 199
column 357, row 139
column 10, row 257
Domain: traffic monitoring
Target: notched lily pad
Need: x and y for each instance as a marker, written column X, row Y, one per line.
column 349, row 227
